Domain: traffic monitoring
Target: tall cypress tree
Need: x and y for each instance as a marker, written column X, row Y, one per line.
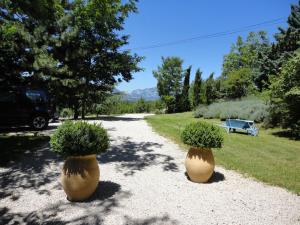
column 197, row 88
column 210, row 91
column 184, row 101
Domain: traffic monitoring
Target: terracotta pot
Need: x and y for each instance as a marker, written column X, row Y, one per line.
column 80, row 177
column 199, row 164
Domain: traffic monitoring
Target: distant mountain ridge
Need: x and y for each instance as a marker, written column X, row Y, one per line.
column 148, row 94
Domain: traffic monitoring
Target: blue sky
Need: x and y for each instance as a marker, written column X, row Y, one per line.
column 163, row 21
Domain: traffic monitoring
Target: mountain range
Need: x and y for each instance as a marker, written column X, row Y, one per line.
column 148, row 94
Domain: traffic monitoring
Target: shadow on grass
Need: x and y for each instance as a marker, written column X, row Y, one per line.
column 286, row 134
column 215, row 178
column 239, row 132
column 132, row 156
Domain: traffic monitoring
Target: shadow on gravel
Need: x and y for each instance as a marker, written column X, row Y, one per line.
column 105, row 189
column 93, row 211
column 161, row 220
column 38, row 167
column 137, row 156
column 215, row 178
column 24, row 130
column 113, row 118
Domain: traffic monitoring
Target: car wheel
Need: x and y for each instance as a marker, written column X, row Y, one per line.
column 39, row 122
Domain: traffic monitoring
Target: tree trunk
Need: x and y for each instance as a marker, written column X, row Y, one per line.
column 83, row 109
column 76, row 113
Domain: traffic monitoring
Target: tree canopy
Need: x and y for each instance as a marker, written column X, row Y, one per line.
column 72, row 46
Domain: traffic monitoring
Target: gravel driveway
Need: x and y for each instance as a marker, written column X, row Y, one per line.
column 142, row 182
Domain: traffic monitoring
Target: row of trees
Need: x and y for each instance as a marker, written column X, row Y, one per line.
column 253, row 66
column 72, row 48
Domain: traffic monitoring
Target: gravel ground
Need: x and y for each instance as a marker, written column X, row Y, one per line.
column 142, row 182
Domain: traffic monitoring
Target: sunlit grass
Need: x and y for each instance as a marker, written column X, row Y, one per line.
column 269, row 158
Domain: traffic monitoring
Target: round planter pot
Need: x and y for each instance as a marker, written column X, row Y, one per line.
column 199, row 164
column 80, row 177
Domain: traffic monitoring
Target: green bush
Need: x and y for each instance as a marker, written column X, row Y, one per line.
column 66, row 113
column 79, row 139
column 202, row 134
column 200, row 111
column 251, row 108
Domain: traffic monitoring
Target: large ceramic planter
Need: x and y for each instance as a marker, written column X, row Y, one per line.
column 80, row 177
column 199, row 164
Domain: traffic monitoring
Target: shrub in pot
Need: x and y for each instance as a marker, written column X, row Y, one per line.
column 78, row 143
column 201, row 137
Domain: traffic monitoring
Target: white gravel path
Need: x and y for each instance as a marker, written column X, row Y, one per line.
column 142, row 182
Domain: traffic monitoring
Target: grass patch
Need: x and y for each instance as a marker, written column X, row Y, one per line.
column 268, row 158
column 14, row 147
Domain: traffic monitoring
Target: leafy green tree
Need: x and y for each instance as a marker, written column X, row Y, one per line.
column 287, row 41
column 285, row 96
column 210, row 89
column 89, row 46
column 197, row 89
column 141, row 106
column 73, row 47
column 27, row 28
column 239, row 83
column 169, row 82
column 247, row 54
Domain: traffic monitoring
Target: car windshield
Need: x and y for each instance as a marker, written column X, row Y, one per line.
column 36, row 96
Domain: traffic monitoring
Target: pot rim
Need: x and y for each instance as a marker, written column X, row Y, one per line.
column 90, row 156
column 200, row 148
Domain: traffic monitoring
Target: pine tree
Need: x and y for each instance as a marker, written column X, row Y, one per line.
column 197, row 88
column 273, row 58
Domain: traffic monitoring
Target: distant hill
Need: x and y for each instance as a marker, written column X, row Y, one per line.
column 148, row 94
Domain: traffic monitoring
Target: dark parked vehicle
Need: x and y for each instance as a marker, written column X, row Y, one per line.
column 25, row 107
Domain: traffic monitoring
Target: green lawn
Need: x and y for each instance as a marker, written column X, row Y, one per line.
column 12, row 148
column 269, row 158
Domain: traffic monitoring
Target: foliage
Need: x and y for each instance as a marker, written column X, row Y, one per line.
column 202, row 134
column 66, row 113
column 285, row 96
column 71, row 47
column 184, row 104
column 25, row 33
column 200, row 111
column 238, row 83
column 141, row 106
column 115, row 105
column 171, row 103
column 250, row 108
column 245, row 53
column 169, row 82
column 241, row 66
column 197, row 88
column 287, row 42
column 210, row 89
column 79, row 139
